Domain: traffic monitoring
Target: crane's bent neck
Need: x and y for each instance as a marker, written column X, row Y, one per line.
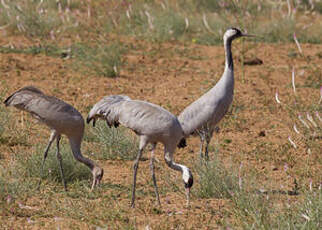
column 75, row 146
column 229, row 64
column 178, row 167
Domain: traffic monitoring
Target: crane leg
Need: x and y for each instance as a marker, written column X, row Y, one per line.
column 143, row 143
column 60, row 160
column 208, row 138
column 202, row 139
column 52, row 137
column 206, row 151
column 153, row 175
column 135, row 167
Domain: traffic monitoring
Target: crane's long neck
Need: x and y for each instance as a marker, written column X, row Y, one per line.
column 225, row 84
column 229, row 64
column 75, row 146
column 178, row 167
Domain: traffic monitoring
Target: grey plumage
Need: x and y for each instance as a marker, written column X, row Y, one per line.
column 152, row 124
column 61, row 118
column 202, row 116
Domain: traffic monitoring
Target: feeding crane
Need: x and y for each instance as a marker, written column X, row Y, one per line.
column 61, row 118
column 152, row 124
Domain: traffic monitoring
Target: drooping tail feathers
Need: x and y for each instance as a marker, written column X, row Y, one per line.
column 182, row 143
column 101, row 108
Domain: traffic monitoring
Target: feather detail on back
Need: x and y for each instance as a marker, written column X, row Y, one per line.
column 21, row 97
column 48, row 109
column 142, row 117
column 210, row 108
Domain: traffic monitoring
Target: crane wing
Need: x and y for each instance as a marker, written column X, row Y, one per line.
column 194, row 117
column 201, row 113
column 43, row 107
column 21, row 98
column 140, row 116
column 145, row 118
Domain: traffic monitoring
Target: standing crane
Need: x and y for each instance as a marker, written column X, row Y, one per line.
column 61, row 118
column 202, row 116
column 152, row 124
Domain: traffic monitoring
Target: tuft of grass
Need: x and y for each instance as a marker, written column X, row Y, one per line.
column 252, row 210
column 48, row 50
column 30, row 166
column 102, row 60
column 304, row 127
column 30, row 18
column 114, row 143
column 9, row 134
column 309, row 212
column 12, row 184
column 277, row 30
column 266, row 211
column 215, row 181
column 169, row 25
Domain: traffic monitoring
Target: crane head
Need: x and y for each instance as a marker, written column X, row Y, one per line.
column 233, row 33
column 188, row 181
column 97, row 176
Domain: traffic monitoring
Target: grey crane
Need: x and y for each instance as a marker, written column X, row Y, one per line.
column 61, row 118
column 152, row 124
column 202, row 116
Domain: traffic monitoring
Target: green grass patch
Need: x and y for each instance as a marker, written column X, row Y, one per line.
column 203, row 22
column 48, row 50
column 268, row 211
column 101, row 60
column 114, row 143
column 215, row 181
column 35, row 19
column 73, row 170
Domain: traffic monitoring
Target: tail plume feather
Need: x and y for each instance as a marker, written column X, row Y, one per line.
column 182, row 143
column 102, row 109
column 6, row 102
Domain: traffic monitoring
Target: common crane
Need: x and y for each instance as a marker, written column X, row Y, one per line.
column 152, row 124
column 202, row 116
column 61, row 118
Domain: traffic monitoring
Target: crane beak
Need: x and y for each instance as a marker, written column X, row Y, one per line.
column 188, row 197
column 96, row 182
column 97, row 177
column 248, row 35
